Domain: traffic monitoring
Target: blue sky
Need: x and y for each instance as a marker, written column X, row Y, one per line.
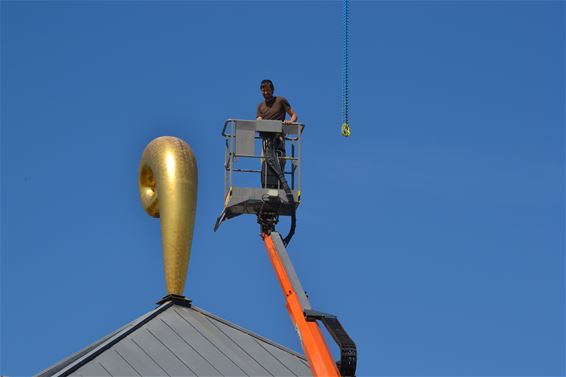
column 435, row 232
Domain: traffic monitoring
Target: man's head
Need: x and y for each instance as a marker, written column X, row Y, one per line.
column 267, row 89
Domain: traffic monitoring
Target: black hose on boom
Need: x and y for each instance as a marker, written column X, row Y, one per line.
column 272, row 160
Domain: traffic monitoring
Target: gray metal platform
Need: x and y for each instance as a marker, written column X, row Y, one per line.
column 242, row 138
column 247, row 200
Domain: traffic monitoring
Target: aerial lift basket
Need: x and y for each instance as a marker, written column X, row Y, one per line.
column 243, row 143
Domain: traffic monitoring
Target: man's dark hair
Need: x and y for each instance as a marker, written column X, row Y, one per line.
column 267, row 82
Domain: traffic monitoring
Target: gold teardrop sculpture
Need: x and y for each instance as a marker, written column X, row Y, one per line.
column 168, row 190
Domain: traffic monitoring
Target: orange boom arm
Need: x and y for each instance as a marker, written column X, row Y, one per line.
column 312, row 340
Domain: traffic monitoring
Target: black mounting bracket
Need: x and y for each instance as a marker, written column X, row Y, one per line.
column 348, row 352
column 268, row 215
column 176, row 299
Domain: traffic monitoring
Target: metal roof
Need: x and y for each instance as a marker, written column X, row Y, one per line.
column 178, row 339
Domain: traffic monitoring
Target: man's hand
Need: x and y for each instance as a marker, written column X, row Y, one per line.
column 287, row 121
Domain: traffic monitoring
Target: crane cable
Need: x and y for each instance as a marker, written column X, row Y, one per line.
column 345, row 73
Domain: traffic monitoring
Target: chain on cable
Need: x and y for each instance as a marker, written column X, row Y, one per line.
column 345, row 73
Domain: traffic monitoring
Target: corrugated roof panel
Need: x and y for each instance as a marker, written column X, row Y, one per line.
column 115, row 364
column 203, row 344
column 176, row 340
column 226, row 344
column 300, row 368
column 273, row 365
column 183, row 350
column 138, row 359
column 94, row 370
column 158, row 352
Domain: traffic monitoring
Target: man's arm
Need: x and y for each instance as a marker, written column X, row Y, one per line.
column 293, row 116
column 257, row 112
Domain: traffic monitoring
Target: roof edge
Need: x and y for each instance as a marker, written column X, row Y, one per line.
column 251, row 333
column 92, row 351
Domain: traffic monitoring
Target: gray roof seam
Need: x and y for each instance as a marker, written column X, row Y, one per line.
column 275, row 357
column 127, row 362
column 266, row 340
column 106, row 370
column 207, row 339
column 173, row 353
column 237, row 345
column 193, row 348
column 151, row 358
